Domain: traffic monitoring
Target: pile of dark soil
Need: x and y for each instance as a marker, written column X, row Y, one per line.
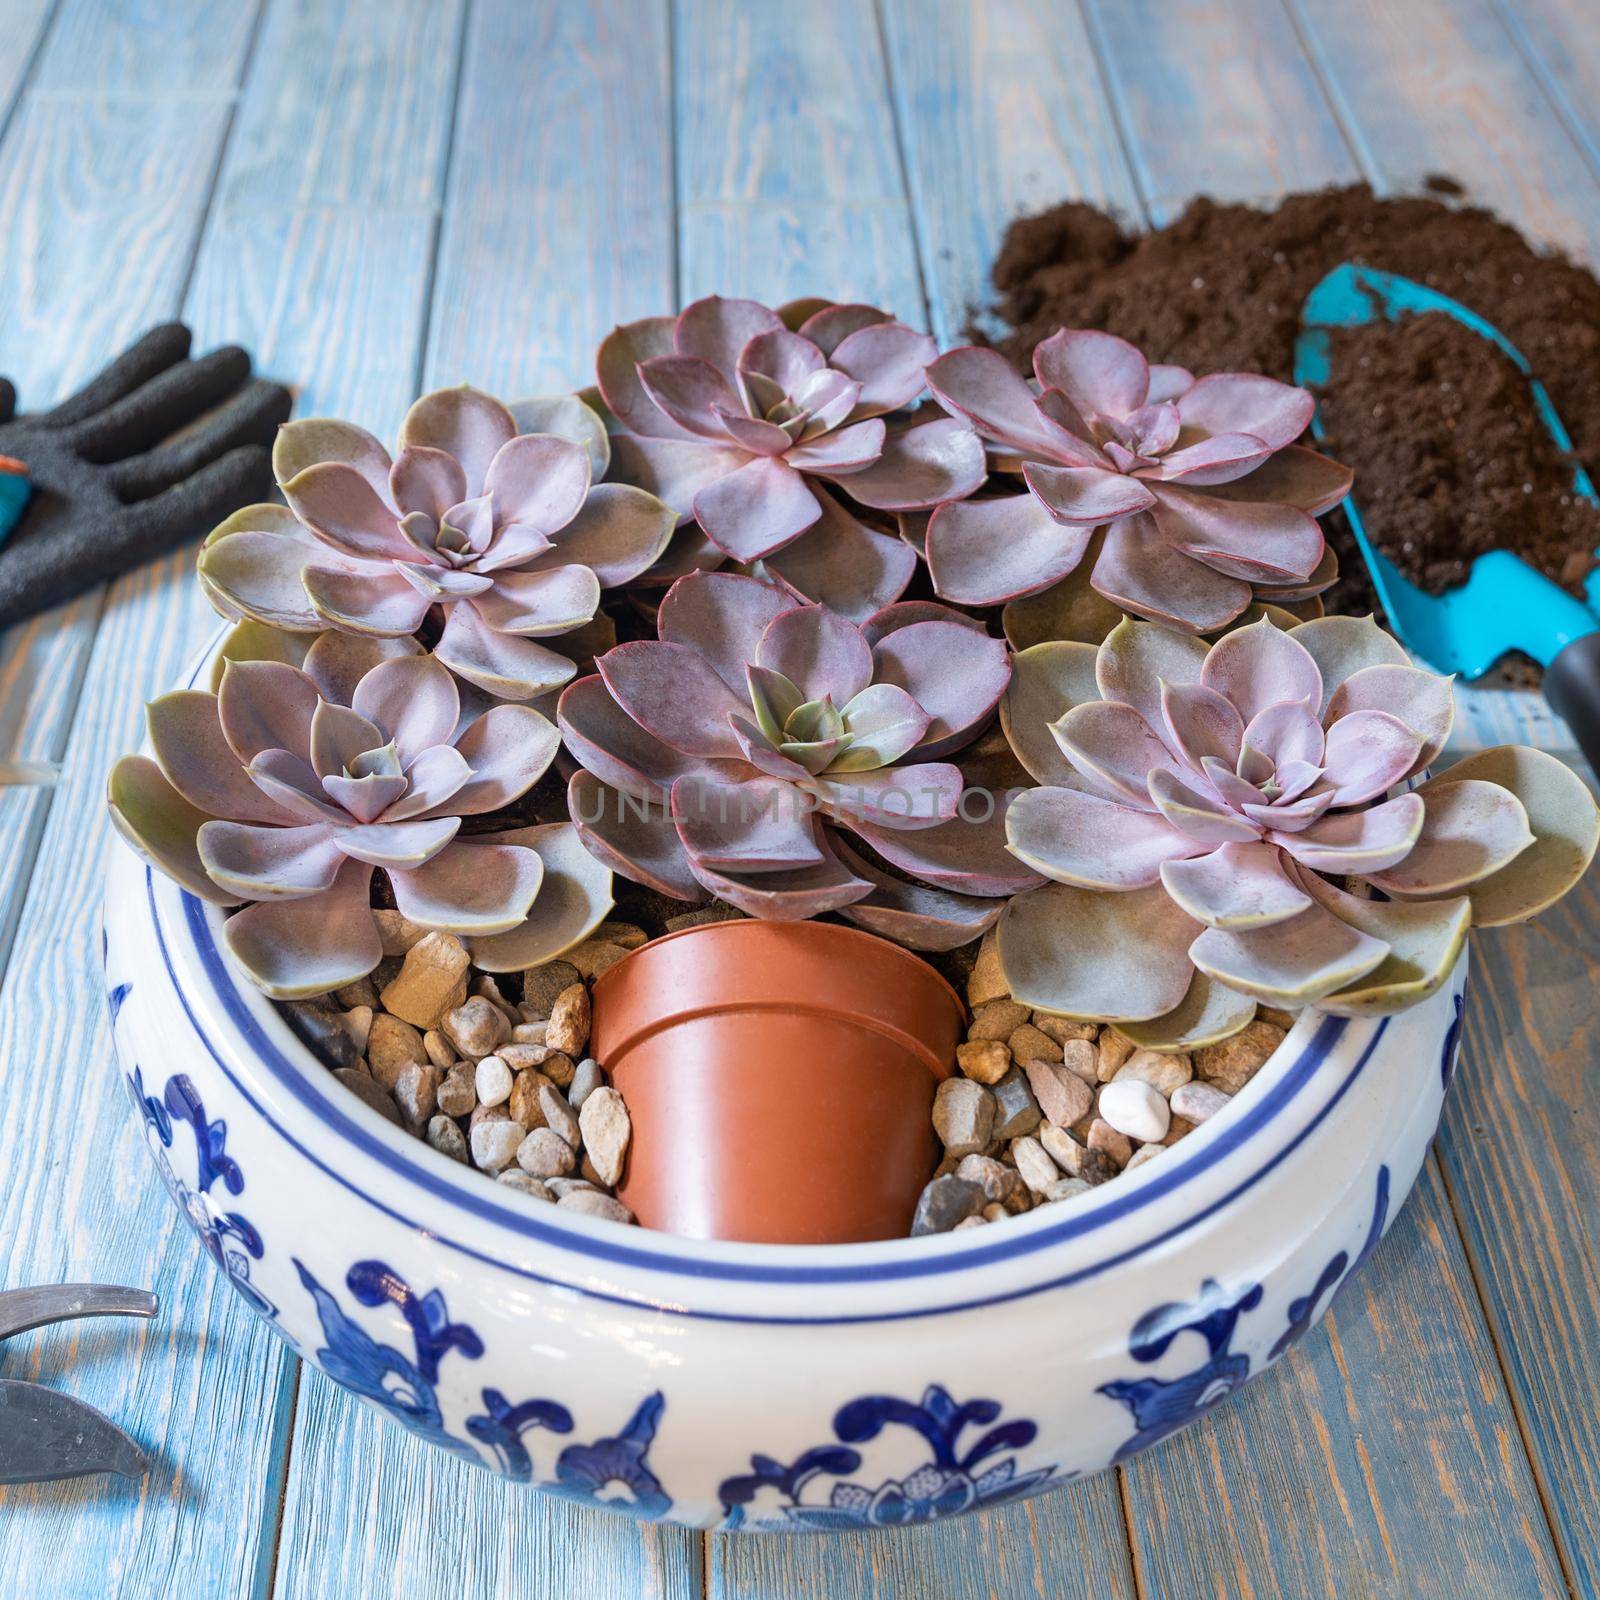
column 1452, row 457
column 1221, row 289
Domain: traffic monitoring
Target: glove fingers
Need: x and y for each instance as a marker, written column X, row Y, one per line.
column 253, row 416
column 166, row 403
column 159, row 349
column 192, row 508
column 8, row 400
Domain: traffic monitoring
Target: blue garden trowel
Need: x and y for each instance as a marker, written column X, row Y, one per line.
column 1504, row 604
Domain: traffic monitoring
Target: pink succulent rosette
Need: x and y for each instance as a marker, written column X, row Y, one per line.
column 498, row 534
column 1216, row 822
column 713, row 756
column 291, row 785
column 763, row 425
column 1206, row 499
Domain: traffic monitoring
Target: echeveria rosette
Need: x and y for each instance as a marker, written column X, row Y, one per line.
column 290, row 785
column 1216, row 820
column 1206, row 499
column 500, row 534
column 714, row 754
column 754, row 422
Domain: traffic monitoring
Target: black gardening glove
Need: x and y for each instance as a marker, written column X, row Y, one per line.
column 112, row 488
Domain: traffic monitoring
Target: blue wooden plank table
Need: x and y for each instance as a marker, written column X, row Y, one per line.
column 380, row 196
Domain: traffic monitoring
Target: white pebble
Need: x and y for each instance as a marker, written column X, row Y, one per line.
column 493, row 1081
column 1132, row 1107
column 1197, row 1102
column 494, row 1144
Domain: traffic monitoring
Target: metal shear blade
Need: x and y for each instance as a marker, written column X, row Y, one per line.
column 45, row 1435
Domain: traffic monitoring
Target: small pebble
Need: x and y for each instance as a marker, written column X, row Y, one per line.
column 495, row 1144
column 1063, row 1149
column 1112, row 1049
column 569, row 1021
column 359, row 993
column 357, row 1022
column 1230, row 1065
column 544, row 1154
column 492, row 1079
column 391, row 1045
column 1109, row 1141
column 1064, row 1030
column 983, row 1060
column 594, row 1204
column 524, row 1103
column 627, row 934
column 439, row 1049
column 945, row 1203
column 516, row 1178
column 558, row 1115
column 997, row 1020
column 586, row 1078
column 1016, row 1112
column 1064, row 1189
column 1198, row 1102
column 324, row 1030
column 1163, row 1071
column 606, row 1131
column 1062, row 1095
column 541, row 986
column 963, row 1116
column 971, row 1222
column 416, row 1093
column 431, row 981
column 986, row 981
column 1081, row 1058
column 561, row 1187
column 593, row 957
column 447, row 1138
column 1029, row 1043
column 1145, row 1154
column 396, row 933
column 476, row 1027
column 1133, row 1107
column 367, row 1088
column 1037, row 1169
column 457, row 1095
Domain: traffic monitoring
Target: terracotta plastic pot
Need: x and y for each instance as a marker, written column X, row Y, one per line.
column 779, row 1076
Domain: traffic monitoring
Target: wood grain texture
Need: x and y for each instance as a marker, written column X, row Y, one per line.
column 1521, row 1154
column 1001, row 112
column 147, row 47
column 22, row 26
column 1380, row 1458
column 205, row 1386
column 1558, row 41
column 1235, row 71
column 346, row 106
column 558, row 223
column 386, row 1517
column 1068, row 1543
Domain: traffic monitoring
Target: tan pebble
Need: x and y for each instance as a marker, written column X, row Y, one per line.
column 488, row 1114
column 1081, row 1058
column 1037, row 1169
column 524, row 1100
column 1163, row 1071
column 627, row 934
column 558, row 1115
column 365, row 1087
column 588, row 1171
column 997, row 1020
column 440, row 1051
column 516, row 1178
column 993, row 1212
column 447, row 1138
column 947, row 1165
column 458, row 1091
column 541, row 985
column 545, row 1154
column 1144, row 1155
column 983, row 1060
column 986, row 981
column 699, row 919
column 972, row 1222
column 569, row 1021
column 606, row 1131
column 1113, row 1049
column 432, row 980
column 1179, row 1127
column 593, row 957
column 1102, row 1136
column 532, row 1032
column 487, row 989
column 1230, row 1065
column 1279, row 1019
column 416, row 1094
column 357, row 1022
column 1199, row 1101
column 1064, row 1189
column 1029, row 1043
column 1062, row 1095
column 396, row 933
column 1065, row 1030
column 476, row 1027
column 1063, row 1149
column 963, row 1116
column 391, row 1045
column 999, row 1182
column 594, row 1204
column 360, row 993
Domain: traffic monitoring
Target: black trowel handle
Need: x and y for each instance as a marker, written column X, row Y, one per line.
column 1572, row 686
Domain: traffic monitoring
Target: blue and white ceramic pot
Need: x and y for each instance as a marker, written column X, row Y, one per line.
column 747, row 1386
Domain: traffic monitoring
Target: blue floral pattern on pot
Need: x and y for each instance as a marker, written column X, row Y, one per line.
column 1451, row 1053
column 951, row 1481
column 1161, row 1406
column 610, row 1471
column 230, row 1238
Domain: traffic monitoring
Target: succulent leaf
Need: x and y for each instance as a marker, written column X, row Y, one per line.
column 1207, row 1014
